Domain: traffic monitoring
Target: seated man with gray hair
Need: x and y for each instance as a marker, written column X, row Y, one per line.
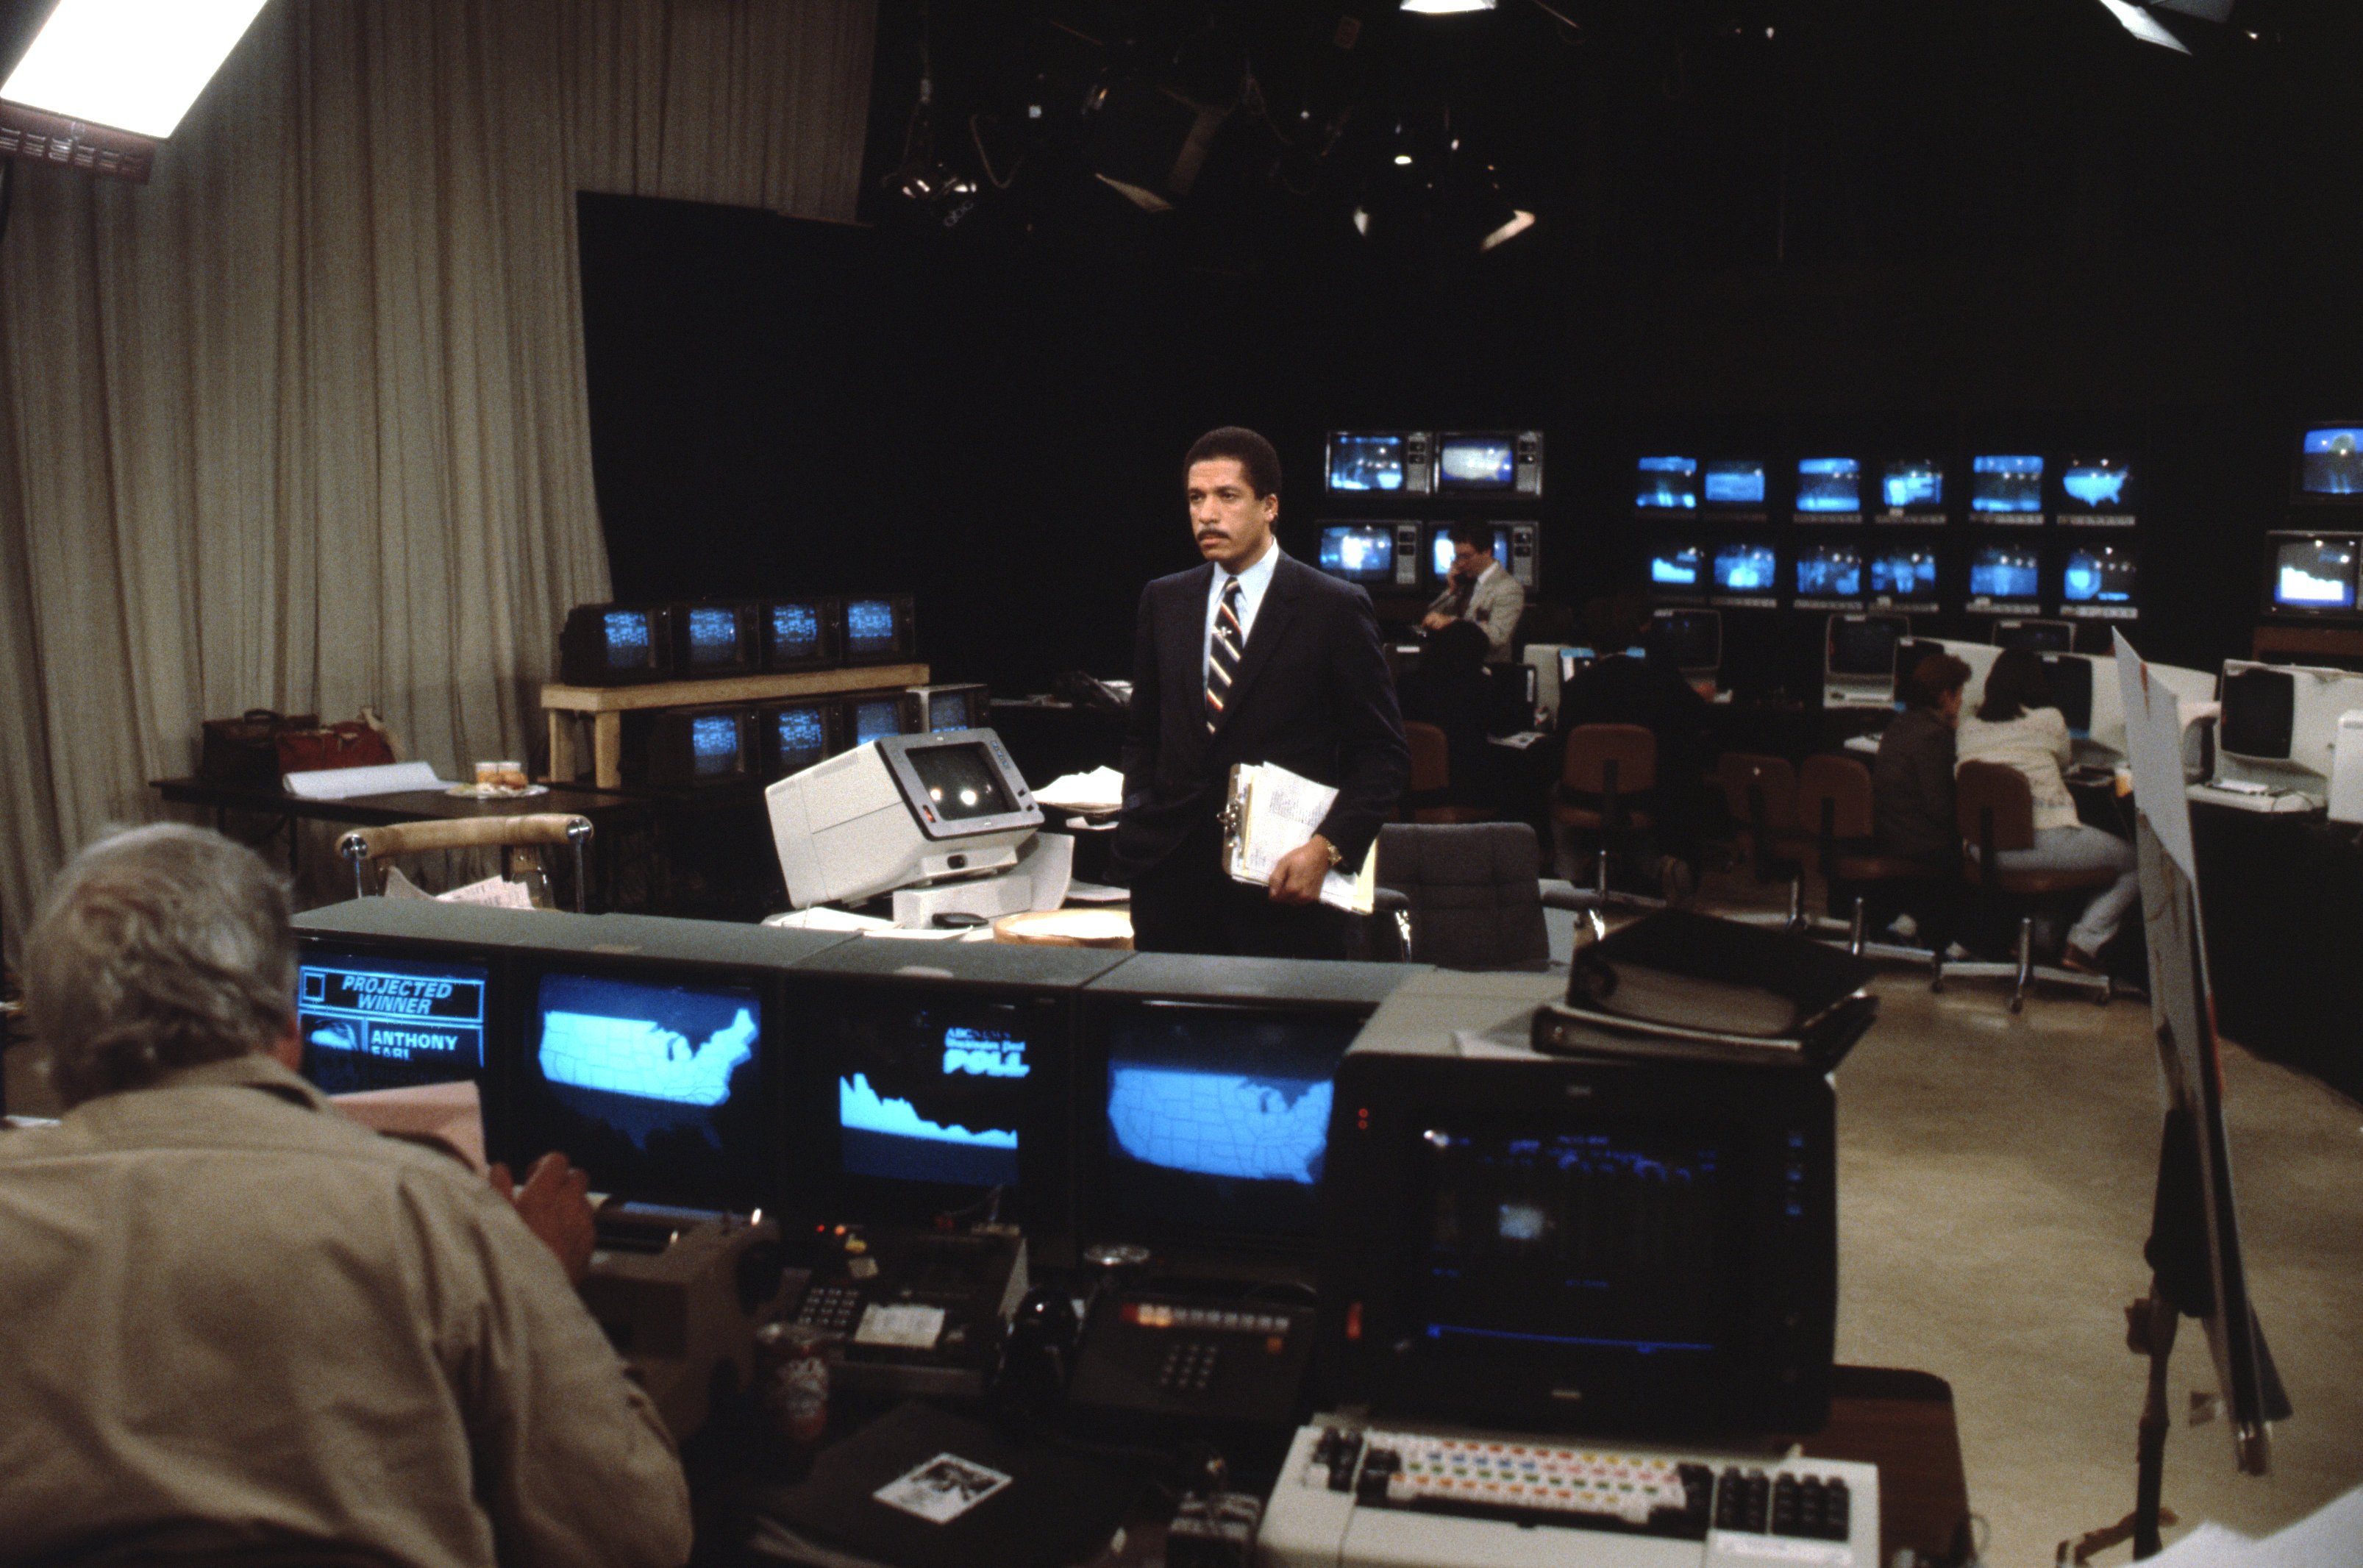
column 241, row 1328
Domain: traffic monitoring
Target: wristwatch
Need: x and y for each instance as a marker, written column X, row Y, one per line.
column 1335, row 854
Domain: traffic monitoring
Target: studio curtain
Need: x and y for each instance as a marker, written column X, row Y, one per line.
column 302, row 423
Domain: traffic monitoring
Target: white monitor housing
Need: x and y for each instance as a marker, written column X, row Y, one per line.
column 900, row 811
column 2317, row 697
column 1858, row 654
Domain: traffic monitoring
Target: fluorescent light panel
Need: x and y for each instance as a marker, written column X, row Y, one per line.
column 1445, row 7
column 136, row 65
column 2143, row 26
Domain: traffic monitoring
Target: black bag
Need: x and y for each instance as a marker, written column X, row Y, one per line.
column 243, row 752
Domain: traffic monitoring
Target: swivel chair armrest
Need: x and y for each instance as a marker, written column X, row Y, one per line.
column 1560, row 894
column 1389, row 926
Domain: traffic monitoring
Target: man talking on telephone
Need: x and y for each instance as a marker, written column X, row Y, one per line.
column 1249, row 656
column 1479, row 592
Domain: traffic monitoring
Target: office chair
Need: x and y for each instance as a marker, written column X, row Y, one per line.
column 1431, row 778
column 1835, row 803
column 1465, row 895
column 1996, row 812
column 1608, row 767
column 1760, row 794
column 365, row 846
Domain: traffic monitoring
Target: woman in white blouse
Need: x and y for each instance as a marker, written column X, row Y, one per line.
column 2015, row 725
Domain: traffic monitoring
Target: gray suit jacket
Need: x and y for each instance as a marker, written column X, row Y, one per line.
column 1494, row 604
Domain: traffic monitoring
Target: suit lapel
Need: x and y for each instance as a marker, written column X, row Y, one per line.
column 1271, row 622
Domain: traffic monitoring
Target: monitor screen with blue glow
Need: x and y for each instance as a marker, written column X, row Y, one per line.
column 2006, row 487
column 1735, row 482
column 1744, row 568
column 874, row 719
column 1829, row 571
column 1829, row 485
column 713, row 636
column 1912, row 485
column 628, row 639
column 716, row 746
column 2098, row 574
column 801, row 736
column 1440, row 549
column 2330, row 461
column 952, row 710
column 795, row 629
column 2315, row 571
column 1677, row 565
column 870, row 626
column 1217, row 1118
column 1359, row 552
column 651, row 1085
column 1901, row 572
column 2004, row 572
column 388, row 1023
column 1476, row 462
column 1666, row 485
column 1366, row 462
column 2097, row 484
column 934, row 1098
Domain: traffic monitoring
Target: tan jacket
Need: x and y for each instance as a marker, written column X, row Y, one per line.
column 229, row 1317
column 1494, row 602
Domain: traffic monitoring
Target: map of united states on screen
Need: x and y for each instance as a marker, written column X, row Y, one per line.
column 642, row 1057
column 1221, row 1124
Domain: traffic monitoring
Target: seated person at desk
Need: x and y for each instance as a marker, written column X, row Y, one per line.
column 1911, row 794
column 241, row 1328
column 1479, row 592
column 1452, row 691
column 1650, row 692
column 2014, row 726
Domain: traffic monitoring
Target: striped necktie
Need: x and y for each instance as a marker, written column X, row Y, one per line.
column 1223, row 653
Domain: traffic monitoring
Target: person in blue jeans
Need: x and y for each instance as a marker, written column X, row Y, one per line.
column 2016, row 725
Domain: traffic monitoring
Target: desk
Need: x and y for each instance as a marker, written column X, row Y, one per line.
column 606, row 705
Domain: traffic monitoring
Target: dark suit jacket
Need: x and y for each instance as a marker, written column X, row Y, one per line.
column 1312, row 694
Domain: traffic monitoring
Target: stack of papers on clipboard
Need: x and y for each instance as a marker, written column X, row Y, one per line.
column 1272, row 811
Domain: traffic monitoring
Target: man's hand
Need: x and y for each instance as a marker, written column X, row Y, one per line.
column 554, row 1207
column 1296, row 876
column 1435, row 621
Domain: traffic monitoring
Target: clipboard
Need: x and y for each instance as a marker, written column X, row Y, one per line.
column 1268, row 811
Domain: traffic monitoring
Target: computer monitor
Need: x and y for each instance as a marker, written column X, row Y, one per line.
column 2099, row 582
column 2070, row 678
column 1732, row 485
column 2097, row 492
column 874, row 715
column 1693, row 639
column 881, row 630
column 1666, row 484
column 1509, row 461
column 1861, row 649
column 1358, row 552
column 1826, row 571
column 615, row 645
column 374, row 1020
column 936, row 709
column 1911, row 490
column 1901, row 574
column 2330, row 461
column 1829, row 489
column 1441, row 549
column 1369, row 461
column 900, row 810
column 1678, row 567
column 1535, row 1243
column 1745, row 569
column 2039, row 636
column 2285, row 716
column 793, row 736
column 714, row 639
column 2005, row 578
column 2313, row 574
column 801, row 634
column 699, row 748
column 2006, row 489
column 650, row 1078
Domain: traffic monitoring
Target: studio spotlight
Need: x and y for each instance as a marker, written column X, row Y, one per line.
column 1445, row 7
column 106, row 80
column 1147, row 143
column 2135, row 18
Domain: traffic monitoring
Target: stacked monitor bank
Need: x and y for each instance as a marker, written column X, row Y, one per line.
column 761, row 742
column 2312, row 570
column 1393, row 497
column 617, row 645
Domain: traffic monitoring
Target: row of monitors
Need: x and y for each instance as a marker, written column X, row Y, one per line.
column 2086, row 580
column 2314, row 574
column 2003, row 488
column 615, row 645
column 1119, row 1097
column 1417, row 556
column 693, row 748
column 1419, row 462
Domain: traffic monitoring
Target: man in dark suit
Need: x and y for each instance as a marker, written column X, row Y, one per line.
column 1249, row 658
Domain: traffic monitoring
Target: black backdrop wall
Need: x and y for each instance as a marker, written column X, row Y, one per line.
column 2049, row 237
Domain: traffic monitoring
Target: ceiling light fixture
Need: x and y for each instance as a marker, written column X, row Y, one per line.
column 133, row 66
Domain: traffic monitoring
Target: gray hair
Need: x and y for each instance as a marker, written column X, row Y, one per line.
column 158, row 948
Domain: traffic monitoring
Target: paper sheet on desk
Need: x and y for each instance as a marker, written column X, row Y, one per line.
column 346, row 784
column 1278, row 812
column 1100, row 789
column 2331, row 1537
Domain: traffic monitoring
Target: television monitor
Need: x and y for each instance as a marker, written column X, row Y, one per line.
column 1732, row 485
column 1358, row 552
column 650, row 1078
column 1366, row 462
column 793, row 736
column 714, row 639
column 2097, row 492
column 1441, row 549
column 2313, row 574
column 2005, row 574
column 801, row 634
column 1501, row 460
column 2259, row 712
column 1506, row 1235
column 1742, row 567
column 1693, row 639
column 2039, row 636
column 904, row 810
column 615, row 645
column 1828, row 487
column 1666, row 484
column 2099, row 582
column 2070, row 677
column 371, row 1020
column 1681, row 567
column 937, row 709
column 1858, row 649
column 874, row 715
column 1829, row 571
column 1911, row 490
column 2330, row 461
column 2005, row 488
column 1902, row 573
column 698, row 748
column 881, row 630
